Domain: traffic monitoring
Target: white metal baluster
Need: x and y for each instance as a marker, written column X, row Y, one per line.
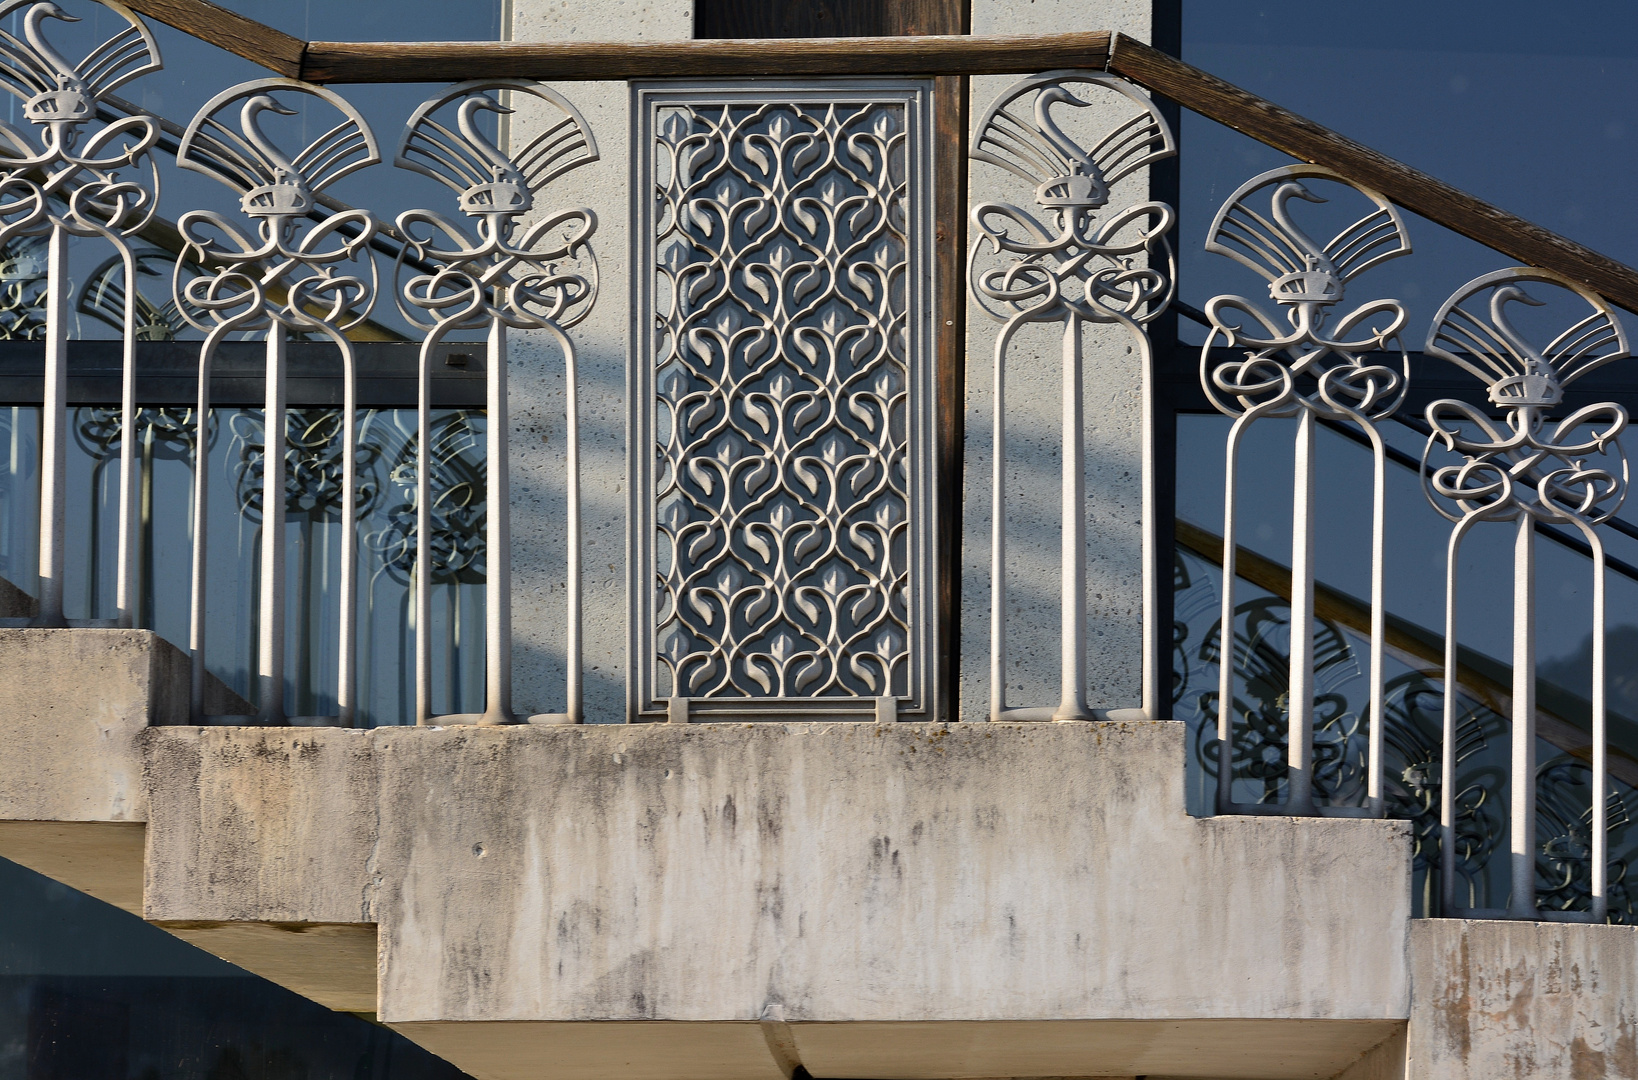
column 201, row 491
column 1072, row 689
column 1599, row 907
column 575, row 660
column 1522, row 834
column 423, row 535
column 125, row 574
column 1225, row 619
column 998, row 530
column 1299, row 754
column 1447, row 756
column 1156, row 638
column 270, row 660
column 54, row 434
column 1379, row 620
column 346, row 664
column 498, row 540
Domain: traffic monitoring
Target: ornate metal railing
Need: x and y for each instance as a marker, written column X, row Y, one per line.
column 283, row 272
column 785, row 507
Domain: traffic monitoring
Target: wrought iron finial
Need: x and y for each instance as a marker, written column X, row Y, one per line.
column 546, row 275
column 227, row 142
column 1524, row 467
column 1308, row 280
column 1069, row 257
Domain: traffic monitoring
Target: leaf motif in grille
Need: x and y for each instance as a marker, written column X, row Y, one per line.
column 784, row 522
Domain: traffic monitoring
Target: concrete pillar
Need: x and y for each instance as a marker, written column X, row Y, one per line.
column 536, row 376
column 1034, row 425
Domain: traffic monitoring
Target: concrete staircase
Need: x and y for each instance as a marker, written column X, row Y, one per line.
column 724, row 901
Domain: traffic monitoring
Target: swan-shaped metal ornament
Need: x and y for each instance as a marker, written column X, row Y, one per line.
column 1519, row 466
column 503, row 275
column 60, row 97
column 1308, row 280
column 1070, row 255
column 545, row 275
column 1070, row 259
column 226, row 141
column 304, row 271
column 1311, row 370
column 61, row 176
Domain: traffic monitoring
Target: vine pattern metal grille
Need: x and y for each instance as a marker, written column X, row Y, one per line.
column 782, row 528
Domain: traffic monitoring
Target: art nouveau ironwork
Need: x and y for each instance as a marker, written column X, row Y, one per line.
column 1075, row 261
column 59, row 177
column 782, row 525
column 1524, row 470
column 287, row 275
column 1310, row 368
column 539, row 276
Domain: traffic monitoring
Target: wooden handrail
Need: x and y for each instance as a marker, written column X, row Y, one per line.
column 336, row 61
column 228, row 30
column 999, row 54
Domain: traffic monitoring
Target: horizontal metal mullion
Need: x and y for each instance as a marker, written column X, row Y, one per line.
column 167, row 374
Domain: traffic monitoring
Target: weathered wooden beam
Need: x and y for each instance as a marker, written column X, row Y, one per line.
column 273, row 49
column 343, row 61
column 1434, row 199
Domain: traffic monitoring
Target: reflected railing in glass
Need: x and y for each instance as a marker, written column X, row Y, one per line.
column 236, row 450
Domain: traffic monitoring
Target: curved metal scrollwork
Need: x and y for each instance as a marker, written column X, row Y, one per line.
column 1074, row 260
column 505, row 274
column 1308, row 281
column 1528, row 469
column 289, row 274
column 1317, row 366
column 782, row 518
column 59, row 177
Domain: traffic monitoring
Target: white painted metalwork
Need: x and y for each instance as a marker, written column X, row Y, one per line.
column 1075, row 265
column 284, row 278
column 783, row 522
column 506, row 274
column 1525, row 471
column 64, row 180
column 1307, row 370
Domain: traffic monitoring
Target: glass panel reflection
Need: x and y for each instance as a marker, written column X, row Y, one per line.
column 235, row 451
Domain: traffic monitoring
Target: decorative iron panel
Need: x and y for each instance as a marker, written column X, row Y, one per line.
column 782, row 521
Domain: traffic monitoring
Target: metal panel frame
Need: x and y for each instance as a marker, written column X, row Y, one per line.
column 921, row 703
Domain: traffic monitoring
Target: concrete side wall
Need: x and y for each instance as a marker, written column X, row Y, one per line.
column 1505, row 999
column 1112, row 427
column 844, row 872
column 71, row 707
column 260, row 824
